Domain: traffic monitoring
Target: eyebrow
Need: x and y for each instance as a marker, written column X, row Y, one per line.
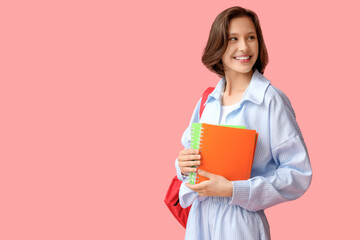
column 231, row 34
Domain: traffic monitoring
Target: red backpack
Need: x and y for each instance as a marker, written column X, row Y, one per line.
column 172, row 196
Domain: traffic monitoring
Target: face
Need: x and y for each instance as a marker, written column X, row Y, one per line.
column 243, row 48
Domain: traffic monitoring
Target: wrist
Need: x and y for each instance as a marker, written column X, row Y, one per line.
column 229, row 189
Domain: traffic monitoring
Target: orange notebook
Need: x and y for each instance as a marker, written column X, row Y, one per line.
column 225, row 150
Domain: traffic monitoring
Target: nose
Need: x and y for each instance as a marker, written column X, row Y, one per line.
column 242, row 45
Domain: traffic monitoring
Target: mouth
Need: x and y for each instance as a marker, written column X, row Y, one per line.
column 243, row 59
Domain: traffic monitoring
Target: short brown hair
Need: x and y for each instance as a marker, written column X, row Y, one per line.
column 218, row 40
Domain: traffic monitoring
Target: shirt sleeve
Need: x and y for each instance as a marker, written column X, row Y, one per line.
column 293, row 175
column 186, row 195
column 186, row 138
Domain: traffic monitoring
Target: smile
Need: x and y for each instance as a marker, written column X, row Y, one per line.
column 242, row 58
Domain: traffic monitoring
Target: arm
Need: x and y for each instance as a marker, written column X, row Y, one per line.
column 186, row 139
column 292, row 177
column 186, row 195
column 290, row 180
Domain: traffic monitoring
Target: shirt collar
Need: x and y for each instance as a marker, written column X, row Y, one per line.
column 255, row 92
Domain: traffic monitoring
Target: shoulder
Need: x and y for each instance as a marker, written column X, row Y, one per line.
column 276, row 98
column 261, row 90
column 282, row 116
column 275, row 94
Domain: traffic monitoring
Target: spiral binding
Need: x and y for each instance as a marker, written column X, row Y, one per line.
column 196, row 143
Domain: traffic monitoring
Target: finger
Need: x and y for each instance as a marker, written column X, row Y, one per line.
column 189, row 169
column 193, row 187
column 192, row 151
column 196, row 187
column 205, row 174
column 189, row 151
column 189, row 157
column 192, row 163
column 189, row 164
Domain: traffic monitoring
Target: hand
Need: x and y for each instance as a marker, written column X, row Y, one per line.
column 187, row 159
column 216, row 185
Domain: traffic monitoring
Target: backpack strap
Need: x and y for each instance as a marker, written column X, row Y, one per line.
column 204, row 98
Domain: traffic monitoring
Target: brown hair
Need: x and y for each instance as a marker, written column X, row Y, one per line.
column 218, row 40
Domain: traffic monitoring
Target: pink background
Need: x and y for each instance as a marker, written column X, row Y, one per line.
column 95, row 95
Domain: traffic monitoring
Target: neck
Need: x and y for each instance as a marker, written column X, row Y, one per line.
column 237, row 82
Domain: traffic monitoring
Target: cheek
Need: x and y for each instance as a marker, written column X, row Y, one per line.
column 256, row 47
column 256, row 50
column 226, row 57
column 229, row 50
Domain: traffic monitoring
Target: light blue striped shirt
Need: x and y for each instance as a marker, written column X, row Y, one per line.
column 281, row 167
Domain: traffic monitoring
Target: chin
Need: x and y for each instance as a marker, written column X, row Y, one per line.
column 244, row 71
column 240, row 69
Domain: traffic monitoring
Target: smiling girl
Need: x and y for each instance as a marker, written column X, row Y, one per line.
column 223, row 209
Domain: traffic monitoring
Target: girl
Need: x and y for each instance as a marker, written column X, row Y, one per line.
column 281, row 171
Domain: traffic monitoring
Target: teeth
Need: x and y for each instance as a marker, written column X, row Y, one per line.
column 242, row 58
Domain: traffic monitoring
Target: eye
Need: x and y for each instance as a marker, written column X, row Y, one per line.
column 233, row 38
column 252, row 37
